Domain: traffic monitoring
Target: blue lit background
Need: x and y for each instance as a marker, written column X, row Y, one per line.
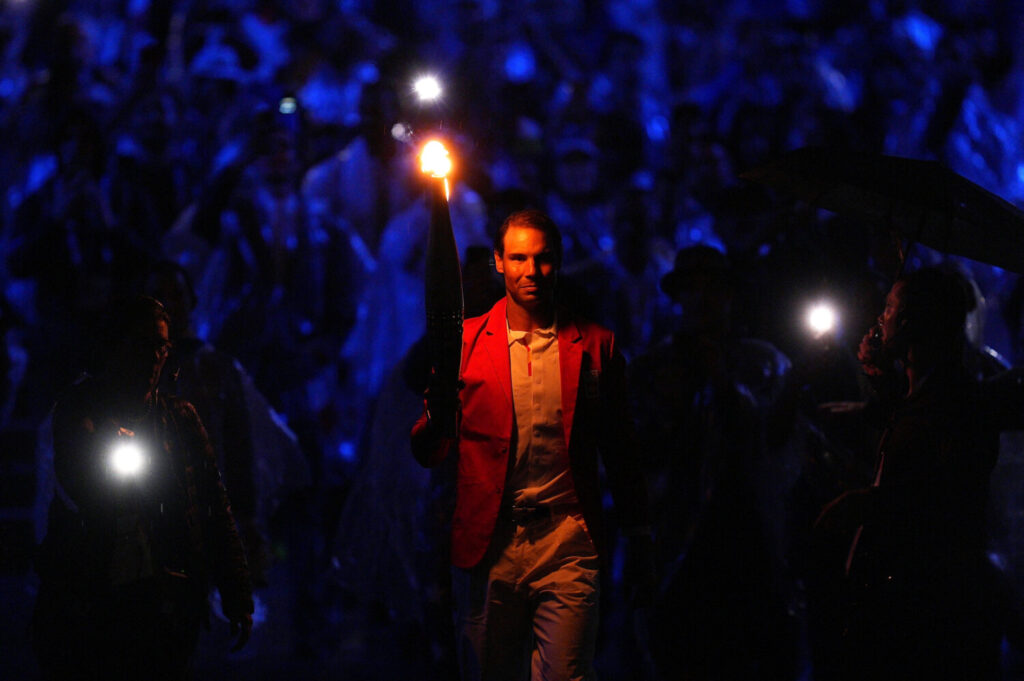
column 251, row 143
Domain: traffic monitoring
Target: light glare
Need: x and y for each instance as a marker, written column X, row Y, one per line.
column 126, row 459
column 821, row 318
column 427, row 88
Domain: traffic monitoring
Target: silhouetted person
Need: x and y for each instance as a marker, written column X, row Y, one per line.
column 258, row 456
column 918, row 598
column 703, row 397
column 140, row 524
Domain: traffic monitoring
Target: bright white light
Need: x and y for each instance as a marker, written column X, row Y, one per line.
column 821, row 318
column 427, row 88
column 126, row 459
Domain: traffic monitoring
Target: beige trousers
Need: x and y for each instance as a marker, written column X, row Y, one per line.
column 534, row 598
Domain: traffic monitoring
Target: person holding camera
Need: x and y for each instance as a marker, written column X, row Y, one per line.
column 917, row 596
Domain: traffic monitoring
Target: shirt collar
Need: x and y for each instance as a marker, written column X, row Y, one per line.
column 547, row 332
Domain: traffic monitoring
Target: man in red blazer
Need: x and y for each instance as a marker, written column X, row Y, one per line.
column 543, row 393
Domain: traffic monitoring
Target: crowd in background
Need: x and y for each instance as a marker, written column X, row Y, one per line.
column 268, row 149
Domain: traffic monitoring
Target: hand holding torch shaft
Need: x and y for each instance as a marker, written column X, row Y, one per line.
column 444, row 301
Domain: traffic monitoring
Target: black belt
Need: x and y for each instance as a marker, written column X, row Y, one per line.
column 526, row 515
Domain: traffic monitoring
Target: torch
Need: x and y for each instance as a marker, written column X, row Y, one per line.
column 443, row 279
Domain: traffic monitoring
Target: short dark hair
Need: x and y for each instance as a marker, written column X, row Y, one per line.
column 172, row 270
column 537, row 219
column 122, row 317
column 125, row 316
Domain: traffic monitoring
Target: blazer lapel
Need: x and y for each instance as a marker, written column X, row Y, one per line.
column 496, row 343
column 570, row 359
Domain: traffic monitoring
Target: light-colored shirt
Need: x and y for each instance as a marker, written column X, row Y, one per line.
column 540, row 473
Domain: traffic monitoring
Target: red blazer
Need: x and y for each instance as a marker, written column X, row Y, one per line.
column 594, row 416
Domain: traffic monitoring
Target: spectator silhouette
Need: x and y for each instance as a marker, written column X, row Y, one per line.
column 258, row 455
column 134, row 540
column 912, row 589
column 703, row 397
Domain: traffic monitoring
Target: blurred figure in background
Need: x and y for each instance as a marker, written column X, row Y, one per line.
column 140, row 525
column 704, row 400
column 258, row 455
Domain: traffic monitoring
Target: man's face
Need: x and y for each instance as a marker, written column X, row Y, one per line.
column 891, row 318
column 141, row 355
column 528, row 266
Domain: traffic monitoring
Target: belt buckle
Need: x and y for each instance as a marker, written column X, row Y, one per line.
column 524, row 515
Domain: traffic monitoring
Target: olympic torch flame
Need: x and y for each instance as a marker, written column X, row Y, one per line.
column 436, row 162
column 444, row 303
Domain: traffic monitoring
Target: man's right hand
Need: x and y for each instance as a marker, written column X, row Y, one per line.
column 871, row 353
column 442, row 405
column 435, row 432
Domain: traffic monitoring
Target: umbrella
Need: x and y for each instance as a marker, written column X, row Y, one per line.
column 922, row 201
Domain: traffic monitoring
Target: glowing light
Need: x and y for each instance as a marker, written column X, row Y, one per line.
column 427, row 88
column 401, row 132
column 127, row 459
column 288, row 105
column 821, row 319
column 520, row 63
column 435, row 162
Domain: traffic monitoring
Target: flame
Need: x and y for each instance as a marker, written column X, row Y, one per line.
column 435, row 161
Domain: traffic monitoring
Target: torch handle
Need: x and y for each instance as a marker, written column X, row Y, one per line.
column 445, row 312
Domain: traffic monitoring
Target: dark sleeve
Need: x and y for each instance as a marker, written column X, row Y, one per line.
column 81, row 518
column 78, row 455
column 1004, row 395
column 618, row 446
column 223, row 548
column 877, row 412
